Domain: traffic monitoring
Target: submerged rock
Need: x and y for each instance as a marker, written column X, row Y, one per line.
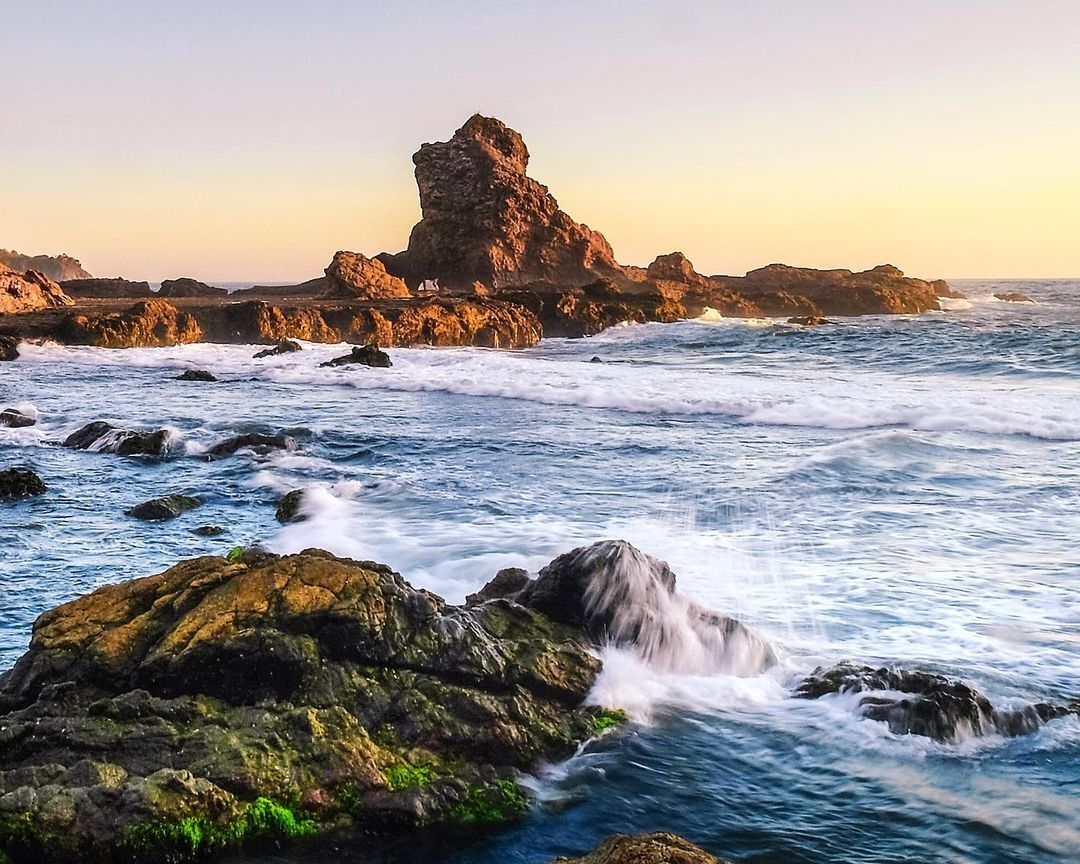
column 15, row 419
column 657, row 848
column 211, row 693
column 208, row 531
column 254, row 441
column 103, row 437
column 9, row 348
column 1014, row 297
column 288, row 508
column 20, row 483
column 166, row 507
column 809, row 320
column 285, row 346
column 196, row 375
column 914, row 702
column 368, row 355
column 615, row 593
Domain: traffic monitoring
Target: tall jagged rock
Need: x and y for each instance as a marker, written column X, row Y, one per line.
column 485, row 221
column 29, row 292
column 56, row 267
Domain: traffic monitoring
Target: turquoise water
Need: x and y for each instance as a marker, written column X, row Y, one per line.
column 889, row 489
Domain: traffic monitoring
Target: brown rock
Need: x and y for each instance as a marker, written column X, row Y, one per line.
column 1013, row 297
column 485, row 221
column 58, row 268
column 658, row 848
column 116, row 288
column 186, row 287
column 147, row 323
column 29, row 292
column 942, row 289
column 351, row 274
column 674, row 267
column 9, row 348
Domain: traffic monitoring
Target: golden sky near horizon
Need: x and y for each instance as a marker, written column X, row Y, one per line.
column 249, row 141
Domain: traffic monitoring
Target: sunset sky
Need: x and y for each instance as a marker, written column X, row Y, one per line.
column 250, row 140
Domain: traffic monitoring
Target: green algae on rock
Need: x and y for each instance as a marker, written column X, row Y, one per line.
column 266, row 696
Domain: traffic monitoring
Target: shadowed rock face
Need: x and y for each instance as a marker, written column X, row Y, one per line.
column 18, row 483
column 484, row 221
column 29, row 292
column 655, row 848
column 187, row 287
column 921, row 703
column 59, row 268
column 617, row 594
column 103, row 437
column 106, row 288
column 325, row 682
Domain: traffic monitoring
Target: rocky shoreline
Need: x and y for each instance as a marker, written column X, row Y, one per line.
column 493, row 262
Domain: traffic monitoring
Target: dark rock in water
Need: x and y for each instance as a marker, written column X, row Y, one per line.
column 1014, row 297
column 106, row 438
column 167, row 507
column 507, row 583
column 809, row 320
column 615, row 593
column 931, row 705
column 288, row 509
column 255, row 441
column 20, row 483
column 9, row 348
column 208, row 531
column 596, row 360
column 286, row 346
column 196, row 375
column 658, row 848
column 15, row 419
column 368, row 355
column 206, row 691
column 942, row 289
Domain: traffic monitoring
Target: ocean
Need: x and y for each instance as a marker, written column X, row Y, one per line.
column 888, row 489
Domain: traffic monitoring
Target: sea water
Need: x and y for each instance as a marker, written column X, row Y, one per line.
column 886, row 489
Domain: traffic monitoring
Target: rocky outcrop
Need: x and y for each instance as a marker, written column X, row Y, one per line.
column 59, row 268
column 9, row 348
column 809, row 320
column 253, row 441
column 352, row 275
column 18, row 483
column 166, row 507
column 15, row 419
column 484, row 221
column 928, row 704
column 943, row 289
column 1013, row 297
column 102, row 437
column 658, row 848
column 29, row 292
column 590, row 310
column 617, row 594
column 366, row 355
column 265, row 696
column 115, row 288
column 674, row 267
column 149, row 323
column 187, row 287
column 290, row 507
column 286, row 346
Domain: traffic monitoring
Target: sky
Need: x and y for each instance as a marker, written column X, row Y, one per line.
column 248, row 141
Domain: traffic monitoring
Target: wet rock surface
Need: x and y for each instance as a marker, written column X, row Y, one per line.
column 809, row 320
column 286, row 346
column 9, row 348
column 313, row 689
column 254, row 441
column 915, row 702
column 196, row 375
column 289, row 507
column 105, row 438
column 16, row 483
column 15, row 419
column 657, row 848
column 166, row 507
column 1013, row 297
column 366, row 355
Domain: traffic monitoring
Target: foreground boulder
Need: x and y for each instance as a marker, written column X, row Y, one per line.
column 615, row 593
column 367, row 355
column 914, row 702
column 29, row 292
column 258, row 695
column 103, row 437
column 15, row 419
column 18, row 483
column 658, row 848
column 166, row 507
column 254, row 441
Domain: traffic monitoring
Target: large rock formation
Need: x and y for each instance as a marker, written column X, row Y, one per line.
column 146, row 324
column 29, row 292
column 59, row 268
column 658, row 848
column 187, row 287
column 171, row 715
column 484, row 221
column 352, row 275
column 108, row 289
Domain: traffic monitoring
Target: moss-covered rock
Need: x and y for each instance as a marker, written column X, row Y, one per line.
column 16, row 483
column 257, row 695
column 657, row 848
